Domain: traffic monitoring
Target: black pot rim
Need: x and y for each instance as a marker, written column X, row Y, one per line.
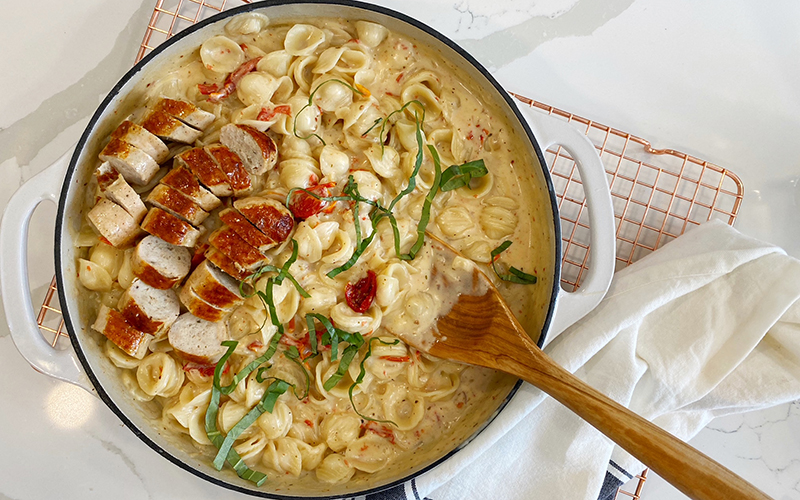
column 60, row 218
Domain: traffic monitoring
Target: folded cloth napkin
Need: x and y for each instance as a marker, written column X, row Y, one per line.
column 707, row 326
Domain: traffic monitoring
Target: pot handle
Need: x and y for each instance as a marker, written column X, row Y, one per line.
column 15, row 286
column 572, row 306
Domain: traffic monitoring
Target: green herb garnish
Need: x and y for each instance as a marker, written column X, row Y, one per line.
column 266, row 404
column 514, row 275
column 213, row 432
column 344, row 363
column 374, row 124
column 426, row 207
column 457, row 176
column 360, row 378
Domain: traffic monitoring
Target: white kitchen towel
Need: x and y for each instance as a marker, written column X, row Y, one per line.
column 707, row 326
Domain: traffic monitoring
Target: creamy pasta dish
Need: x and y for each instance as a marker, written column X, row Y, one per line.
column 257, row 244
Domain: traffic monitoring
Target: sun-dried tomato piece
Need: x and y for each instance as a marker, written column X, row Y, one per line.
column 216, row 94
column 360, row 295
column 268, row 114
column 304, row 205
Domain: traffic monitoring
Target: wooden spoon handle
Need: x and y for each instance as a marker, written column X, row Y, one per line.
column 689, row 470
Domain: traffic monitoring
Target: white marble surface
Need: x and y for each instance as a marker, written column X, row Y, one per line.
column 718, row 79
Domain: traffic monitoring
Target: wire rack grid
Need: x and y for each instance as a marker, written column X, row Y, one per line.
column 658, row 194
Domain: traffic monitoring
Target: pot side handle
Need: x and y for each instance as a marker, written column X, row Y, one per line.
column 572, row 306
column 58, row 363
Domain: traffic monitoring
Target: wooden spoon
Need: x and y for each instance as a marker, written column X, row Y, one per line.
column 481, row 330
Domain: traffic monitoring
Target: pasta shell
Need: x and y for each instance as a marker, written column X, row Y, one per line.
column 247, row 24
column 371, row 34
column 303, row 39
column 221, row 54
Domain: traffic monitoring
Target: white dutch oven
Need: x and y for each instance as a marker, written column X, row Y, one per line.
column 86, row 365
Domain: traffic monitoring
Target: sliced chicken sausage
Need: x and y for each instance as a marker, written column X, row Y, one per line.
column 142, row 139
column 170, row 228
column 214, row 286
column 231, row 165
column 271, row 217
column 170, row 128
column 149, row 309
column 257, row 149
column 134, row 164
column 203, row 166
column 113, row 223
column 160, row 264
column 112, row 324
column 174, row 202
column 186, row 112
column 197, row 340
column 184, row 181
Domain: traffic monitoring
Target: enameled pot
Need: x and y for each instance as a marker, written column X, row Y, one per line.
column 87, row 366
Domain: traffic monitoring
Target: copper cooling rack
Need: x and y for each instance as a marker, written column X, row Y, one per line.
column 657, row 193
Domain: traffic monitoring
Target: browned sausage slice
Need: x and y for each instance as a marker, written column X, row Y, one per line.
column 184, row 181
column 247, row 231
column 170, row 128
column 142, row 139
column 134, row 164
column 235, row 248
column 174, row 202
column 231, row 165
column 203, row 166
column 270, row 216
column 113, row 223
column 112, row 324
column 160, row 264
column 197, row 340
column 257, row 149
column 149, row 309
column 186, row 112
column 170, row 228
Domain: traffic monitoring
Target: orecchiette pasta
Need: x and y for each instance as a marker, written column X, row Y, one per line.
column 221, row 54
column 498, row 219
column 159, row 374
column 276, row 423
column 335, row 469
column 340, row 429
column 302, row 39
column 94, row 276
column 247, row 24
column 371, row 34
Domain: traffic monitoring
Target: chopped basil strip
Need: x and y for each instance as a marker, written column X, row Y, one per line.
column 247, row 370
column 412, row 179
column 514, row 275
column 347, row 357
column 457, row 176
column 213, row 433
column 406, row 105
column 312, row 334
column 426, row 207
column 283, row 272
column 266, row 404
column 374, row 124
column 360, row 378
column 330, row 337
column 351, row 189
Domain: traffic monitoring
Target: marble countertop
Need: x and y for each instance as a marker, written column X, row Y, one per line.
column 717, row 79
